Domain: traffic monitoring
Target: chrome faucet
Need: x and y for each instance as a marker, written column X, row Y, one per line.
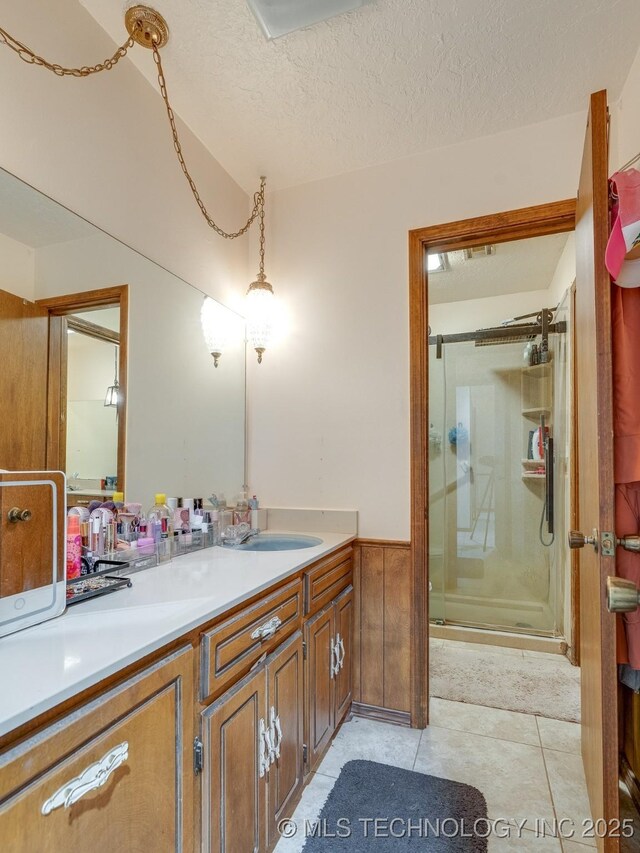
column 238, row 534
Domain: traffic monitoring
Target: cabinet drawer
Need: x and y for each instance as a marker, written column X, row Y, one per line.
column 230, row 649
column 114, row 775
column 326, row 580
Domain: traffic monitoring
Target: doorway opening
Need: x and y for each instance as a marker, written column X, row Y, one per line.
column 87, row 378
column 478, row 559
column 499, row 449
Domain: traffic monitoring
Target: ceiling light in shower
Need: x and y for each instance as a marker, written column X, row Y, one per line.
column 437, row 262
column 279, row 17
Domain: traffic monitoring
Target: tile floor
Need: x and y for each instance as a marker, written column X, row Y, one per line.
column 528, row 768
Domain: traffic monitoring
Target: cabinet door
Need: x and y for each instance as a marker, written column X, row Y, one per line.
column 285, row 673
column 116, row 775
column 234, row 784
column 343, row 640
column 320, row 684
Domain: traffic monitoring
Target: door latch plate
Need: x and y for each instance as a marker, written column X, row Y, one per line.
column 607, row 543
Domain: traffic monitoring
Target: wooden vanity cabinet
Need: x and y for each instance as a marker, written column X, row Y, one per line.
column 253, row 761
column 125, row 770
column 285, row 681
column 234, row 807
column 328, row 638
column 344, row 610
column 116, row 774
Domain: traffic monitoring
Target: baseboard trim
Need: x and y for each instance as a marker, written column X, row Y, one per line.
column 383, row 715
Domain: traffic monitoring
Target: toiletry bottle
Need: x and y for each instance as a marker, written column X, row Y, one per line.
column 160, row 526
column 255, row 515
column 216, row 539
column 544, row 352
column 74, row 547
column 118, row 499
column 242, row 514
column 187, row 503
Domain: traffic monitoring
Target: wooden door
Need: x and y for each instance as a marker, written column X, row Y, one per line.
column 234, row 785
column 319, row 683
column 141, row 736
column 595, row 472
column 24, row 355
column 344, row 637
column 285, row 673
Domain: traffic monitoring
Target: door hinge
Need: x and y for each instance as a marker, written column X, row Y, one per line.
column 305, row 753
column 198, row 756
column 304, row 650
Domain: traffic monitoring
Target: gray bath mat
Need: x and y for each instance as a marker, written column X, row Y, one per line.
column 547, row 686
column 375, row 807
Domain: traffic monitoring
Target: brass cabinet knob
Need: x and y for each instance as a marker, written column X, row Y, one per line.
column 579, row 540
column 16, row 514
column 622, row 595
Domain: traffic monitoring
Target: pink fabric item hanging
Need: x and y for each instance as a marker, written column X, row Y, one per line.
column 625, row 231
column 625, row 334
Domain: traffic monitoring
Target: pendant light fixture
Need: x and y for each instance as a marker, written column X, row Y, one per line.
column 259, row 300
column 148, row 28
column 112, row 397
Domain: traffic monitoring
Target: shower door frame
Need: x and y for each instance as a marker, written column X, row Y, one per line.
column 538, row 221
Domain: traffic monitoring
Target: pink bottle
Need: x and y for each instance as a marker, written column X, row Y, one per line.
column 74, row 547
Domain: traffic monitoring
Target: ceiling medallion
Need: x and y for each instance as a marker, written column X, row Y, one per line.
column 146, row 26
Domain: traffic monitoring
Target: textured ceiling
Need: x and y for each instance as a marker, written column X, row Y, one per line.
column 516, row 267
column 391, row 79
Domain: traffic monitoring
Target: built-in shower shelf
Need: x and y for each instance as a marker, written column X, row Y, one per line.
column 530, row 475
column 533, row 463
column 536, row 411
column 537, row 370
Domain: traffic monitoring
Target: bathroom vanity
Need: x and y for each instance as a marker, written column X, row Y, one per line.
column 180, row 714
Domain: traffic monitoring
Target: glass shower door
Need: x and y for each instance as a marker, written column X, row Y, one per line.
column 488, row 564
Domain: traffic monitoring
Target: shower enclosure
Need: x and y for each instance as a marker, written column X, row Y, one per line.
column 498, row 477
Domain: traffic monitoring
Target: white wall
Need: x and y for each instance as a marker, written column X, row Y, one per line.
column 329, row 407
column 17, row 263
column 446, row 318
column 565, row 273
column 92, row 428
column 626, row 120
column 102, row 146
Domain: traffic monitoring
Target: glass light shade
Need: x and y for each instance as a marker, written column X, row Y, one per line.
column 213, row 328
column 259, row 315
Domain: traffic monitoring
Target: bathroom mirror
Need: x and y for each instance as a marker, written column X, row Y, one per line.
column 185, row 418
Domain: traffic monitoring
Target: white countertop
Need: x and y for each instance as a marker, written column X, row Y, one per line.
column 44, row 665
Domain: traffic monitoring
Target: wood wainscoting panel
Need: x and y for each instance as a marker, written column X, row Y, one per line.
column 382, row 671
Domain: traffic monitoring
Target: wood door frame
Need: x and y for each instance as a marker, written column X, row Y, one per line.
column 537, row 221
column 60, row 307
